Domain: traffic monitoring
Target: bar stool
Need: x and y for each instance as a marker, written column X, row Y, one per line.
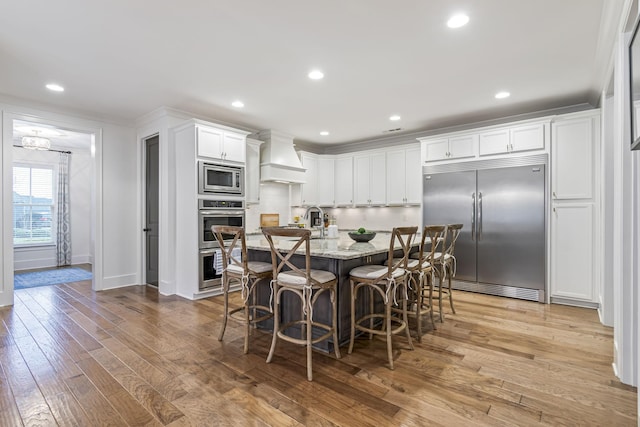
column 422, row 288
column 248, row 273
column 308, row 285
column 445, row 263
column 386, row 282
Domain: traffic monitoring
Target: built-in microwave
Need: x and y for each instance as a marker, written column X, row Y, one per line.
column 220, row 179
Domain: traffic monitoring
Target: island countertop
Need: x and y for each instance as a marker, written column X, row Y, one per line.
column 342, row 247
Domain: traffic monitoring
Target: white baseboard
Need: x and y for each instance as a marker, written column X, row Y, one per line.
column 114, row 282
column 48, row 262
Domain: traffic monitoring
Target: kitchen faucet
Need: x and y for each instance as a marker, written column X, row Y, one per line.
column 319, row 209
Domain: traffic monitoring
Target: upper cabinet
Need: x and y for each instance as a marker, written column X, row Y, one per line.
column 325, row 178
column 343, row 185
column 252, row 172
column 489, row 141
column 572, row 154
column 457, row 147
column 318, row 188
column 370, row 171
column 404, row 177
column 214, row 143
column 514, row 139
column 309, row 190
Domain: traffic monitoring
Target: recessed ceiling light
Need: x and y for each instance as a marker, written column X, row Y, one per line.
column 316, row 75
column 238, row 104
column 394, row 118
column 55, row 87
column 457, row 21
column 502, row 95
column 324, row 133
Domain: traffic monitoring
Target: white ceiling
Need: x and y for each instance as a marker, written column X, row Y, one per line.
column 121, row 59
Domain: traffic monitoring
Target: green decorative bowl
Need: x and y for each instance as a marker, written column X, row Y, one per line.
column 362, row 237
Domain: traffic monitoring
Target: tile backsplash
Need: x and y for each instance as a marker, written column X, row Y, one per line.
column 275, row 198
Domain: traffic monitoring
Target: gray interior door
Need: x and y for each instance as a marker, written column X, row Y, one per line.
column 449, row 199
column 511, row 226
column 152, row 209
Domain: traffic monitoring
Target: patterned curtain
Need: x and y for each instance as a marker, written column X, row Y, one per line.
column 64, row 224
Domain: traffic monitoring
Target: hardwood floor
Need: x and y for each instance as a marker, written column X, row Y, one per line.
column 72, row 357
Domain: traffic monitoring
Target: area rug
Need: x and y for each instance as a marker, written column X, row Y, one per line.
column 50, row 277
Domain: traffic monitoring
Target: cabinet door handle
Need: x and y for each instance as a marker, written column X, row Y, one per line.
column 554, row 195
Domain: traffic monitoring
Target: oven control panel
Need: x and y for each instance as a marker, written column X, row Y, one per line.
column 220, row 204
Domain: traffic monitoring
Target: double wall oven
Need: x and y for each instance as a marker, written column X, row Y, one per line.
column 215, row 212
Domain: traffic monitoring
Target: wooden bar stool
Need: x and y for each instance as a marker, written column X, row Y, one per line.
column 423, row 279
column 386, row 282
column 445, row 263
column 249, row 273
column 308, row 285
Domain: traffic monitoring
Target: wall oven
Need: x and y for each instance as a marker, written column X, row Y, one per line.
column 217, row 212
column 210, row 213
column 224, row 180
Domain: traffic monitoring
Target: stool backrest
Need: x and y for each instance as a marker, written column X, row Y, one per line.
column 404, row 236
column 281, row 259
column 453, row 231
column 435, row 234
column 227, row 246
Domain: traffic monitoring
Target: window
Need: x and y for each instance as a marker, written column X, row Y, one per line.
column 32, row 205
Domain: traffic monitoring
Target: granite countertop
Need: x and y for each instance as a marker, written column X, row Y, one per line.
column 342, row 247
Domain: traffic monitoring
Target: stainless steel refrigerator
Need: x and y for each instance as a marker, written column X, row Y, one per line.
column 501, row 204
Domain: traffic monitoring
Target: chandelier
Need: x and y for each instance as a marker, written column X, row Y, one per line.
column 36, row 142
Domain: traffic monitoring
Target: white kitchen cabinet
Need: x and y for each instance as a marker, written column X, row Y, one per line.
column 252, row 172
column 219, row 144
column 309, row 190
column 370, row 179
column 528, row 137
column 572, row 153
column 325, row 180
column 404, row 177
column 343, row 185
column 512, row 139
column 456, row 147
column 189, row 142
column 572, row 252
column 575, row 204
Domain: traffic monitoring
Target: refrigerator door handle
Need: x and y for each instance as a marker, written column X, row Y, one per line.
column 479, row 216
column 473, row 216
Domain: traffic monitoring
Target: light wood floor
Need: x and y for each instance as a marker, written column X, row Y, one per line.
column 72, row 357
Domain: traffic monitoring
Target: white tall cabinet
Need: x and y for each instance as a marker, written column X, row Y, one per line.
column 193, row 141
column 574, row 209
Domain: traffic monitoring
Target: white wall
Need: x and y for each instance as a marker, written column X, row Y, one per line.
column 114, row 243
column 80, row 176
column 120, row 223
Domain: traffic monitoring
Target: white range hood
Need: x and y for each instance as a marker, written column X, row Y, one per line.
column 279, row 161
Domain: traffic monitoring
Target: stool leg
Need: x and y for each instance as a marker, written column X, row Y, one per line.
column 309, row 330
column 276, row 321
column 451, row 294
column 353, row 316
column 387, row 320
column 247, row 324
column 405, row 319
column 440, row 295
column 225, row 286
column 334, row 321
column 419, row 298
column 430, row 279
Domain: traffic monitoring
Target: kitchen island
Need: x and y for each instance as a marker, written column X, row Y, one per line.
column 337, row 255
